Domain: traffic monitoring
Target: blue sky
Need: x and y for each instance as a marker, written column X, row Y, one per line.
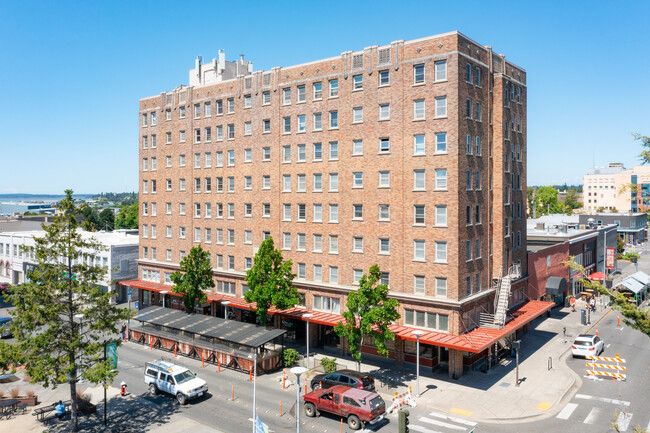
column 73, row 73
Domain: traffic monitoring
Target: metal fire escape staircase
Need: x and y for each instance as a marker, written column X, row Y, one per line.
column 502, row 285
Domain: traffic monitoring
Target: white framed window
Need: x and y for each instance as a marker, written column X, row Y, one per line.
column 357, row 179
column 302, row 243
column 318, row 273
column 248, row 210
column 357, row 147
column 477, row 112
column 333, row 213
column 286, row 241
column 286, row 153
column 441, row 252
column 318, row 90
column 440, row 70
column 419, row 180
column 419, row 285
column 302, row 212
column 418, row 214
column 231, row 105
column 334, row 244
column 384, row 179
column 266, row 210
column 266, row 182
column 286, row 96
column 441, row 215
column 302, row 270
column 418, row 109
column 318, row 243
column 334, row 119
column 301, row 123
column 266, row 126
column 357, row 115
column 357, row 244
column 286, row 183
column 477, row 146
column 384, row 111
column 327, row 304
column 418, row 249
column 384, row 77
column 318, row 151
column 286, row 125
column 441, row 106
column 384, row 246
column 248, row 236
column 441, row 179
column 418, row 144
column 231, row 237
column 384, row 212
column 441, row 287
column 318, row 213
column 248, row 128
column 334, row 275
column 356, row 275
column 302, row 183
column 266, row 97
column 302, row 152
column 301, row 93
column 286, row 212
column 384, row 145
column 418, row 74
column 334, row 88
column 357, row 212
column 248, row 155
column 334, row 150
column 208, row 109
column 318, row 121
column 357, row 82
column 318, row 182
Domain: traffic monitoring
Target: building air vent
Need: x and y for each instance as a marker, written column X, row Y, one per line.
column 266, row 80
column 384, row 57
column 248, row 83
column 168, row 99
column 357, row 61
column 182, row 97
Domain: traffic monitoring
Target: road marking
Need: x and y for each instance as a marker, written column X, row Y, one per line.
column 544, row 406
column 461, row 411
column 421, row 429
column 441, row 424
column 454, row 419
column 603, row 399
column 608, row 346
column 567, row 411
column 620, row 329
column 591, row 418
column 623, row 421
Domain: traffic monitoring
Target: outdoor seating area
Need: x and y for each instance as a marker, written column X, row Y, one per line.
column 44, row 413
column 212, row 339
column 11, row 406
column 635, row 287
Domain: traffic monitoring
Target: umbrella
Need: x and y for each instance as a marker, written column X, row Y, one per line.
column 597, row 276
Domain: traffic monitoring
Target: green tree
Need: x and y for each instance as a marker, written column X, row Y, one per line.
column 106, row 220
column 62, row 317
column 194, row 277
column 270, row 281
column 548, row 203
column 533, row 201
column 571, row 201
column 90, row 219
column 620, row 245
column 633, row 316
column 369, row 313
column 128, row 217
column 645, row 143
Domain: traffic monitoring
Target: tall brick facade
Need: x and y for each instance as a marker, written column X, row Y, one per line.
column 395, row 134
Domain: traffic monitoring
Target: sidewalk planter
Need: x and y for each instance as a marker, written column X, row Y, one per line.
column 86, row 408
column 30, row 401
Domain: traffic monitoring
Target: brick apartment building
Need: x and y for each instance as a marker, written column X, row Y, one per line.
column 410, row 155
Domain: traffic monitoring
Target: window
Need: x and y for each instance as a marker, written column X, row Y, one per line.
column 197, row 160
column 519, row 95
column 357, row 147
column 220, row 236
column 357, row 115
column 248, row 155
column 477, row 76
column 266, row 182
column 334, row 88
column 266, row 97
column 441, row 179
column 248, row 128
column 168, row 138
column 418, row 180
column 440, row 70
column 418, row 109
column 477, row 215
column 318, row 151
column 286, row 153
column 357, row 244
column 266, row 126
column 302, row 153
column 334, row 150
column 384, row 145
column 418, row 250
column 384, row 111
column 318, row 273
column 318, row 121
column 231, row 131
column 301, row 242
column 208, row 109
column 468, row 108
column 384, row 246
column 418, row 144
column 168, row 208
column 334, row 213
column 197, row 184
column 327, row 304
column 286, row 183
column 441, row 252
column 468, row 185
column 441, row 287
column 477, row 114
column 318, row 243
column 477, row 146
column 301, row 123
column 181, row 112
column 286, row 125
column 441, row 142
column 302, row 183
column 301, row 270
column 197, row 234
column 357, row 82
column 219, row 107
column 208, row 184
column 231, row 184
column 286, row 96
column 286, row 212
column 248, row 101
column 477, row 246
column 318, row 213
column 248, row 236
column 468, row 73
column 231, row 266
column 208, row 160
column 357, row 181
column 334, row 119
column 441, row 106
column 144, row 120
column 266, row 154
column 318, row 182
column 302, row 212
column 358, row 211
column 418, row 214
column 181, row 208
column 266, row 210
column 418, row 285
column 197, row 210
column 197, row 111
column 518, row 125
column 356, row 275
column 168, row 114
column 286, row 241
column 468, row 250
column 318, row 90
column 384, row 212
column 219, row 132
column 334, row 244
column 478, row 180
column 231, row 158
column 145, row 142
column 334, row 182
column 418, row 74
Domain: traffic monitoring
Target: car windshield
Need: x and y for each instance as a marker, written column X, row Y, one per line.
column 184, row 377
column 583, row 343
column 376, row 402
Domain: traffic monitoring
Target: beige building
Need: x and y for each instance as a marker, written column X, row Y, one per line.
column 410, row 155
column 609, row 188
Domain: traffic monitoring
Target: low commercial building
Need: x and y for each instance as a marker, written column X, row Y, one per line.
column 631, row 226
column 119, row 257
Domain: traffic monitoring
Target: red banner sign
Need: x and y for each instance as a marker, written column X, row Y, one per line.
column 609, row 259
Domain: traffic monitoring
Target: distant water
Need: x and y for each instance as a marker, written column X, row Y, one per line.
column 10, row 203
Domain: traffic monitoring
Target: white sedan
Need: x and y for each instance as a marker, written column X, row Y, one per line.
column 586, row 345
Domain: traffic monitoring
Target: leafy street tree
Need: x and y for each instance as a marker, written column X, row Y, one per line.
column 633, row 316
column 90, row 219
column 571, row 201
column 548, row 203
column 128, row 217
column 270, row 281
column 369, row 313
column 620, row 245
column 62, row 318
column 533, row 201
column 645, row 153
column 106, row 220
column 194, row 277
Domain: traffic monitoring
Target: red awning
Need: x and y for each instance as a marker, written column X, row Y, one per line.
column 149, row 285
column 597, row 276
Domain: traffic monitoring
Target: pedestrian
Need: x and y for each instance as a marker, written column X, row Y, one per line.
column 123, row 331
column 592, row 302
column 572, row 302
column 60, row 410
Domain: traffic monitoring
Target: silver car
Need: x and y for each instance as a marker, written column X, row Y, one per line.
column 587, row 345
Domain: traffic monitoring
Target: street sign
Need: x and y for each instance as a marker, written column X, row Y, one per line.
column 260, row 427
column 129, row 297
column 129, row 291
column 611, row 255
column 111, row 354
column 137, row 305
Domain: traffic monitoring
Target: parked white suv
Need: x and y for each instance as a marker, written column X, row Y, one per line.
column 585, row 345
column 173, row 379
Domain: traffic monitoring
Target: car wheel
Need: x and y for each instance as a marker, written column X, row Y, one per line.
column 152, row 389
column 354, row 422
column 315, row 386
column 181, row 399
column 310, row 410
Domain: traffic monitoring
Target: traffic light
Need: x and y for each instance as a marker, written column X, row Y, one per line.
column 403, row 421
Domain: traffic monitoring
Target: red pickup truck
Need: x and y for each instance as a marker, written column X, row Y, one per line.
column 356, row 405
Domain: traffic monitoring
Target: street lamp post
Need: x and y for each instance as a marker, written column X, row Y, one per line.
column 516, row 344
column 417, row 333
column 225, row 309
column 163, row 293
column 307, row 316
column 298, row 371
column 254, row 388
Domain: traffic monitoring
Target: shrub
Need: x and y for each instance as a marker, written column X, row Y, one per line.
column 14, row 392
column 329, row 364
column 30, row 393
column 83, row 398
column 2, row 393
column 289, row 356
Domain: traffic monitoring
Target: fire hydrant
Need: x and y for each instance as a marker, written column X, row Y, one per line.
column 123, row 388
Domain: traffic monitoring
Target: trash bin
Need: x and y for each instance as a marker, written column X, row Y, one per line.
column 583, row 316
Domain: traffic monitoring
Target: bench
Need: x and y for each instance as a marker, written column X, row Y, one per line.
column 42, row 412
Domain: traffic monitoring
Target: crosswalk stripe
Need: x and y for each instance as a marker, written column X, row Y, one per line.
column 603, row 399
column 567, row 411
column 441, row 424
column 623, row 421
column 421, row 429
column 452, row 418
column 591, row 418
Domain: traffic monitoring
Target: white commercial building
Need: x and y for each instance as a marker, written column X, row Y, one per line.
column 610, row 188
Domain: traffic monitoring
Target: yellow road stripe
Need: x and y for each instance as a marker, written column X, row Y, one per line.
column 544, row 406
column 461, row 411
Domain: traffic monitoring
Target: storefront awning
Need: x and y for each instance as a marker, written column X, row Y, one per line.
column 149, row 285
column 641, row 277
column 556, row 286
column 631, row 284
